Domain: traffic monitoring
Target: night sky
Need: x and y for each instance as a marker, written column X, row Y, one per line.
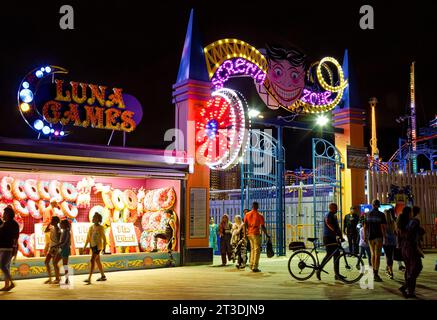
column 138, row 47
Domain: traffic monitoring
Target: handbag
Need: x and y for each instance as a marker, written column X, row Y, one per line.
column 269, row 248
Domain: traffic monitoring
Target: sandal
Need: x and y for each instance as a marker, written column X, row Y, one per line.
column 87, row 281
column 55, row 281
column 48, row 281
column 102, row 279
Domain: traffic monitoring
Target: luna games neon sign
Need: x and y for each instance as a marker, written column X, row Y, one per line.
column 49, row 107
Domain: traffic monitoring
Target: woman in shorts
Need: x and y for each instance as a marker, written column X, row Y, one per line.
column 97, row 240
column 64, row 246
column 55, row 234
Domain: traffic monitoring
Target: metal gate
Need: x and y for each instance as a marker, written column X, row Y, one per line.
column 327, row 168
column 262, row 180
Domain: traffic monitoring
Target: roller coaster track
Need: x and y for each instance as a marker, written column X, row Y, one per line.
column 221, row 50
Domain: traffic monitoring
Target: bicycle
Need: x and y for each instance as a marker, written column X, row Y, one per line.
column 302, row 264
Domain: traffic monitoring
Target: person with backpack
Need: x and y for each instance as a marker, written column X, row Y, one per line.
column 374, row 231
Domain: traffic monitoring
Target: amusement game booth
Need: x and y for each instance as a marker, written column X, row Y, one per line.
column 131, row 188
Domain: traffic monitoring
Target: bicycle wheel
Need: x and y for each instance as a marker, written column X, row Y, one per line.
column 301, row 265
column 351, row 267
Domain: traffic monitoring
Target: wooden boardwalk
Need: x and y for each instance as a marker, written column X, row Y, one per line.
column 216, row 283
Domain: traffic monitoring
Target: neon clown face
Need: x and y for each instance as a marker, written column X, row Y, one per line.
column 286, row 81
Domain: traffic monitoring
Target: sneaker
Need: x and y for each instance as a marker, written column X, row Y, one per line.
column 377, row 278
column 401, row 268
column 256, row 270
column 87, row 281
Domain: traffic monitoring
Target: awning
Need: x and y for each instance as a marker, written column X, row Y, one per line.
column 54, row 156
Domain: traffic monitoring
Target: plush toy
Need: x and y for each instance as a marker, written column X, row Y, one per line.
column 84, row 190
column 140, row 195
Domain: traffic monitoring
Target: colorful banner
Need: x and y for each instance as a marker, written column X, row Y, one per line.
column 124, row 234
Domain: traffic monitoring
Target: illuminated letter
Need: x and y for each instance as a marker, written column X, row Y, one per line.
column 128, row 123
column 59, row 95
column 71, row 115
column 98, row 92
column 74, row 96
column 111, row 117
column 93, row 118
column 116, row 98
column 240, row 65
column 55, row 108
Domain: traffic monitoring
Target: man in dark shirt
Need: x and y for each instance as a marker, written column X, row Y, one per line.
column 350, row 229
column 331, row 231
column 374, row 232
column 9, row 232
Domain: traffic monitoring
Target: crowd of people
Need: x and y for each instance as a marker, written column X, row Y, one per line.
column 239, row 238
column 400, row 238
column 57, row 247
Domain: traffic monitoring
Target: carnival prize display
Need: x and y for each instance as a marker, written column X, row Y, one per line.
column 37, row 201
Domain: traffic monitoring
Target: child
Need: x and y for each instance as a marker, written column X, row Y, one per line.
column 55, row 234
column 97, row 240
column 64, row 246
column 238, row 242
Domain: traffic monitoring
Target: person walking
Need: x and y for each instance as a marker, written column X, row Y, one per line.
column 389, row 244
column 64, row 248
column 55, row 234
column 225, row 231
column 169, row 235
column 412, row 252
column 374, row 231
column 364, row 246
column 238, row 242
column 213, row 232
column 97, row 240
column 9, row 233
column 254, row 223
column 350, row 229
column 331, row 232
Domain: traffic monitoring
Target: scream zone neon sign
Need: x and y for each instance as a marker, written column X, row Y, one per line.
column 74, row 104
column 237, row 67
column 281, row 75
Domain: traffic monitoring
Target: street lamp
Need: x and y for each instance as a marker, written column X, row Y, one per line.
column 322, row 120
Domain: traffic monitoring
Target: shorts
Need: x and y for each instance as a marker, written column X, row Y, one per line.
column 54, row 251
column 95, row 250
column 65, row 252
